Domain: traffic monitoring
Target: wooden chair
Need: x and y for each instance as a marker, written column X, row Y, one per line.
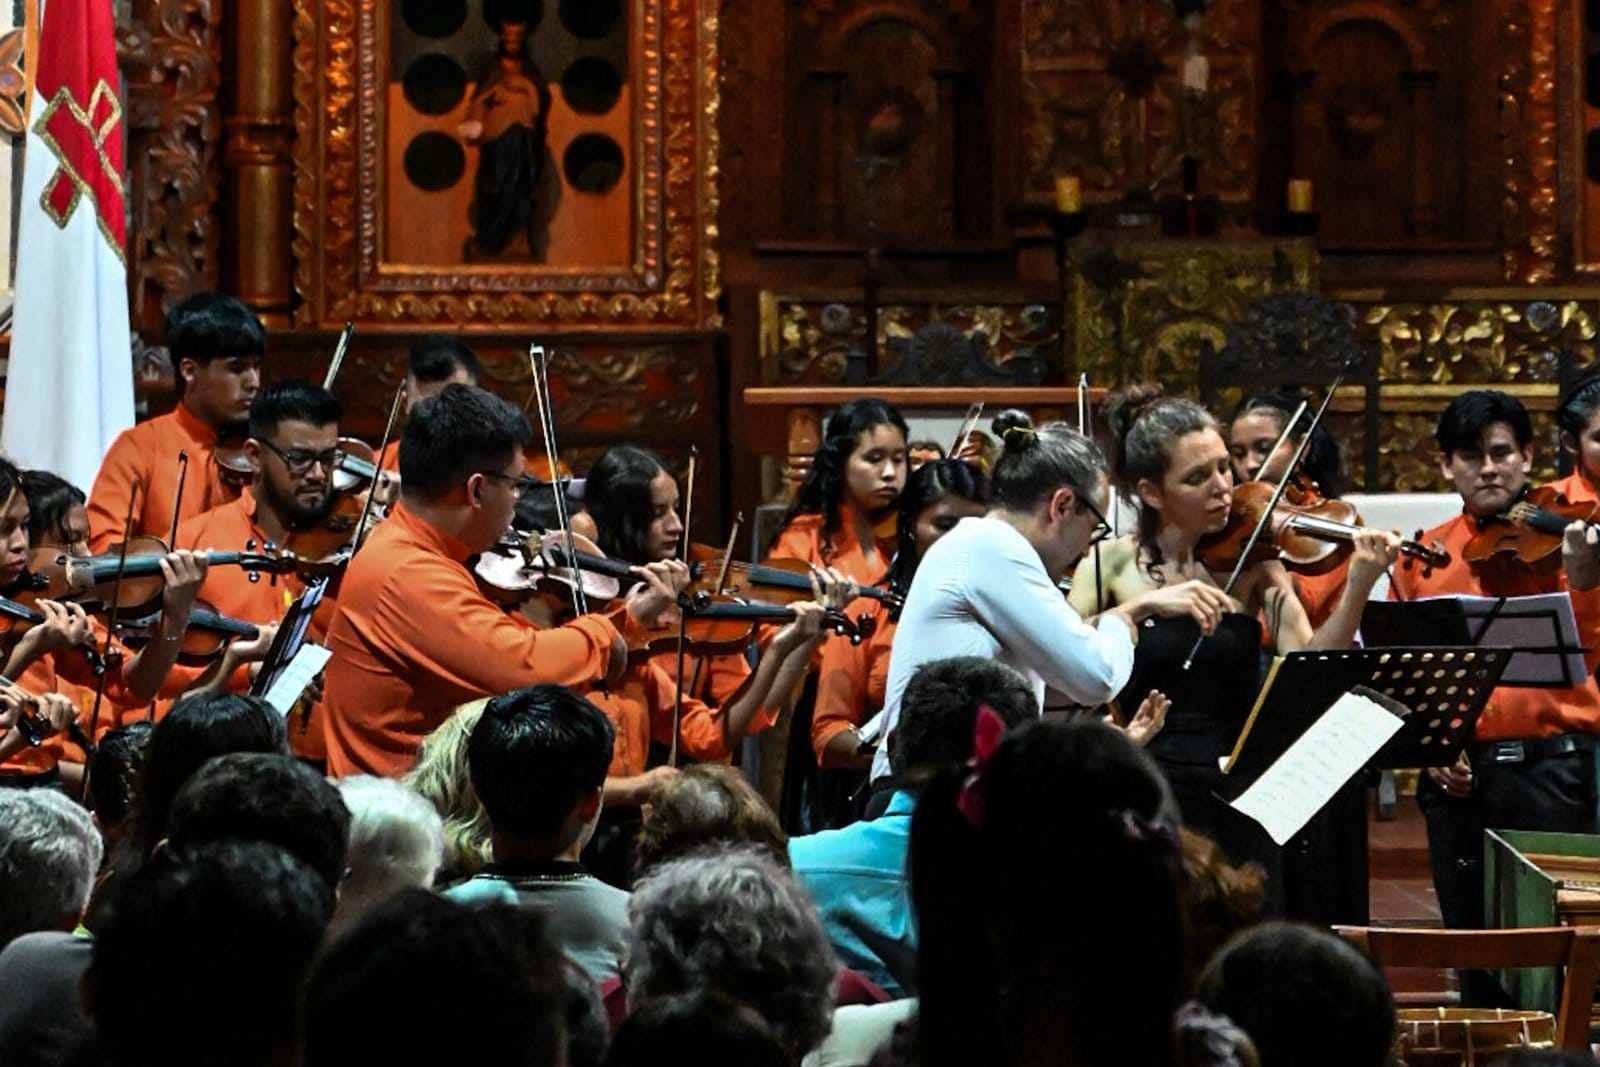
column 1575, row 949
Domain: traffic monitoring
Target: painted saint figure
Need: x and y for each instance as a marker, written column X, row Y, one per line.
column 508, row 119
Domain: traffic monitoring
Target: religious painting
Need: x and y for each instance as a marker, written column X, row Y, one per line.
column 500, row 161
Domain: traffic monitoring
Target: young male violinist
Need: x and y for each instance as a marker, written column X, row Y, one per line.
column 434, row 361
column 413, row 637
column 292, row 450
column 216, row 345
column 1530, row 765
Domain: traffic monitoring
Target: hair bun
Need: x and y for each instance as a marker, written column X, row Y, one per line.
column 1014, row 428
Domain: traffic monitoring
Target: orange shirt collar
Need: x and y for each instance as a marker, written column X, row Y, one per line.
column 192, row 425
column 424, row 533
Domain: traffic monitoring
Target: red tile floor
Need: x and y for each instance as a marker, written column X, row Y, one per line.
column 1402, row 895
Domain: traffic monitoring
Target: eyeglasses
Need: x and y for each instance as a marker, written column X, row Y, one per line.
column 1102, row 528
column 299, row 461
column 516, row 483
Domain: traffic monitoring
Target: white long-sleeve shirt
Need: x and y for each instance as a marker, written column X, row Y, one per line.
column 983, row 591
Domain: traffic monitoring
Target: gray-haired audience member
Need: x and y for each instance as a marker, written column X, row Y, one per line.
column 49, row 853
column 731, row 921
column 396, row 842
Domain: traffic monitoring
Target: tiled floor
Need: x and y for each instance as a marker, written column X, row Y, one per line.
column 1402, row 895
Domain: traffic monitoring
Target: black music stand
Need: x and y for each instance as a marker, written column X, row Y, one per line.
column 290, row 636
column 1541, row 631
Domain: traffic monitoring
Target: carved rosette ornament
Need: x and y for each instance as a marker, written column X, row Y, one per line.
column 672, row 279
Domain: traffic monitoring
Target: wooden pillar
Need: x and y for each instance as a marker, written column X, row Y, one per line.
column 258, row 195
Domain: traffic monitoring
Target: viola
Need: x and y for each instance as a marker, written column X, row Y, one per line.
column 521, row 565
column 204, row 639
column 1307, row 533
column 1529, row 531
column 781, row 581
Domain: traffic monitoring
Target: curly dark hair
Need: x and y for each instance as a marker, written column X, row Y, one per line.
column 824, row 487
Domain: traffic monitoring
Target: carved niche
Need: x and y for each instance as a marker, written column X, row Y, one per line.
column 357, row 139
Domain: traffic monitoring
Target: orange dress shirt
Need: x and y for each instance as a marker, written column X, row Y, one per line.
column 412, row 638
column 147, row 455
column 1515, row 712
column 640, row 710
column 230, row 528
column 803, row 539
column 1319, row 593
column 851, row 681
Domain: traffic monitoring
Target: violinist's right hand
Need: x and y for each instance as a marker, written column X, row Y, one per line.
column 51, row 712
column 660, row 584
column 253, row 650
column 1196, row 598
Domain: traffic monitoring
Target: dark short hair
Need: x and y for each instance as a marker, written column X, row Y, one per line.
column 10, row 478
column 209, row 325
column 435, row 357
column 704, row 1028
column 930, row 483
column 533, row 754
column 50, row 497
column 196, row 729
column 114, row 768
column 296, row 400
column 461, row 431
column 939, row 709
column 617, row 497
column 1278, row 980
column 258, row 796
column 1468, row 417
column 488, row 967
column 204, row 950
column 1579, row 401
column 1036, row 462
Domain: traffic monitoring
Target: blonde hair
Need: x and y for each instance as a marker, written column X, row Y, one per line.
column 441, row 777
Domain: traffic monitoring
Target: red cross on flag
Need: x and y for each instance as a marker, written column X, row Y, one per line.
column 69, row 388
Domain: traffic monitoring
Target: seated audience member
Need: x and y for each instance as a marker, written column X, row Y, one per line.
column 267, row 797
column 707, row 804
column 441, row 777
column 396, row 842
column 1047, row 881
column 1305, row 997
column 484, row 981
column 700, row 1029
column 113, row 771
column 538, row 760
column 734, row 923
column 585, row 1018
column 857, row 875
column 1219, row 900
column 201, row 954
column 49, row 853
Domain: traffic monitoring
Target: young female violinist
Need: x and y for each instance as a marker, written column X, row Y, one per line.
column 1255, row 426
column 840, row 515
column 851, row 681
column 1170, row 456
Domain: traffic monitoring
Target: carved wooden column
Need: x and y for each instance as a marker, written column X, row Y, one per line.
column 258, row 206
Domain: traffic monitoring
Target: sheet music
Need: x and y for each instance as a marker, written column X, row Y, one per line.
column 293, row 679
column 1318, row 765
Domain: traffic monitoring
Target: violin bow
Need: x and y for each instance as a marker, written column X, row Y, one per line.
column 177, row 497
column 338, row 355
column 722, row 584
column 1278, row 490
column 974, row 413
column 388, row 432
column 683, row 615
column 539, row 368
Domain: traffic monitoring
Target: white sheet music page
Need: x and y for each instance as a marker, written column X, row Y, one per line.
column 306, row 665
column 1315, row 767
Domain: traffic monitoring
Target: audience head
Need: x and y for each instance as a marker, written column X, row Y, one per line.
column 1254, row 428
column 261, row 796
column 49, row 853
column 633, row 500
column 441, row 777
column 939, row 711
column 195, row 730
column 1305, row 997
column 56, row 512
column 1479, row 426
column 1170, row 456
column 698, row 1029
column 204, row 950
column 708, row 804
column 1054, row 476
column 1219, row 900
column 861, row 461
column 1048, row 896
column 396, row 842
column 114, row 768
column 464, row 447
column 216, row 344
column 435, row 361
column 732, row 922
column 938, row 494
column 538, row 758
column 494, row 991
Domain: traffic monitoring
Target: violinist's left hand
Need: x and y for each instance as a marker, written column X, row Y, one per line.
column 184, row 573
column 832, row 588
column 806, row 629
column 1375, row 552
column 1580, row 544
column 661, row 582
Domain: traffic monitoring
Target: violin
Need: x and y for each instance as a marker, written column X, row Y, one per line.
column 1529, row 532
column 717, row 625
column 1307, row 533
column 17, row 617
column 204, row 639
column 228, row 455
column 781, row 581
column 521, row 565
column 35, row 729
